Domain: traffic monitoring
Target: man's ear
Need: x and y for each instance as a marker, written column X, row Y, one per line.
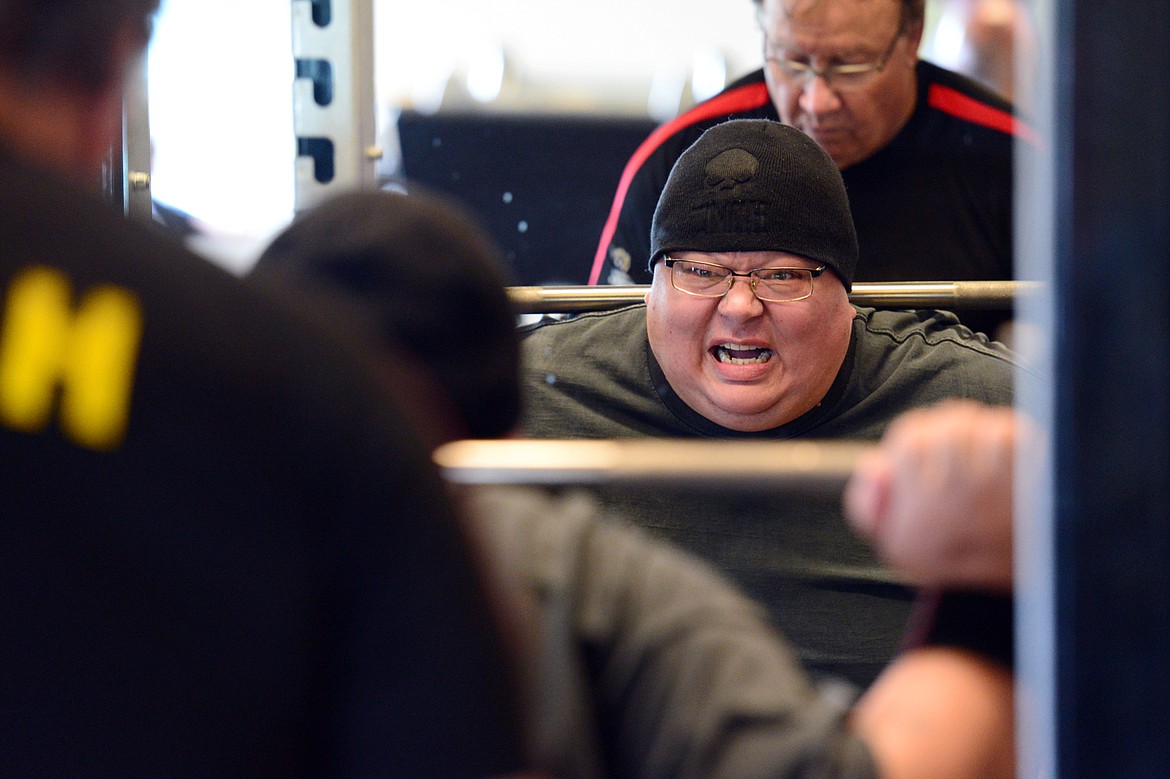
column 914, row 35
column 653, row 275
column 102, row 113
column 102, row 110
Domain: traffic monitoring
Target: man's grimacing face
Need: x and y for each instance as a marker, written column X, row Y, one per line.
column 798, row 346
column 851, row 125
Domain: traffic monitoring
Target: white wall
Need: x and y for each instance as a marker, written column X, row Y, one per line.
column 604, row 51
column 221, row 117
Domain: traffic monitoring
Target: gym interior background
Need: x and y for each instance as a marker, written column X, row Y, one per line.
column 524, row 109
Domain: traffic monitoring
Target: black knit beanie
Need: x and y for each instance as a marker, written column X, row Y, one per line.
column 756, row 185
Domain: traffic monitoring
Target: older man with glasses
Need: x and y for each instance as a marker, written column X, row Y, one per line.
column 747, row 331
column 926, row 153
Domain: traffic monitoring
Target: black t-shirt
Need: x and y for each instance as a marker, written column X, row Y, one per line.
column 224, row 551
column 933, row 205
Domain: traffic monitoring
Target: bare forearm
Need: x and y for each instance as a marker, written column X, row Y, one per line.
column 940, row 713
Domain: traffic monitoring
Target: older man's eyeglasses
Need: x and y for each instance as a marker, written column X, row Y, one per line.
column 843, row 76
column 774, row 285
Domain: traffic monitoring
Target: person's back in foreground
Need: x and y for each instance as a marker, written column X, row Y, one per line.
column 642, row 662
column 225, row 553
column 747, row 332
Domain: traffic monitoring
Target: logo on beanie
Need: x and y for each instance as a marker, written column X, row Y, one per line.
column 731, row 168
column 732, row 209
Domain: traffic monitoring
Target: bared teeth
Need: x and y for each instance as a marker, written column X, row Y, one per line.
column 736, row 354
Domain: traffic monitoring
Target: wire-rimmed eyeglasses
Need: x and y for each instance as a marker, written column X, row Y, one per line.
column 844, row 76
column 709, row 280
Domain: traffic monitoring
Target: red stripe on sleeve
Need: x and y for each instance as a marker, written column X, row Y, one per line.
column 745, row 98
column 963, row 106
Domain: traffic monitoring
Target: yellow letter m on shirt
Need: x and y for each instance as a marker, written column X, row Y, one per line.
column 83, row 356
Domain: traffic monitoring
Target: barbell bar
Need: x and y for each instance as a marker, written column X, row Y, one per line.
column 950, row 295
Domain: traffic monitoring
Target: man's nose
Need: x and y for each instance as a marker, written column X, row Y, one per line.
column 740, row 301
column 817, row 97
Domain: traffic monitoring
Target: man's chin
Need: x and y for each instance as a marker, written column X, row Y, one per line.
column 842, row 154
column 836, row 144
column 745, row 417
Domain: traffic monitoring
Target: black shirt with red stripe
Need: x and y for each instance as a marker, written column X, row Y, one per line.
column 935, row 204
